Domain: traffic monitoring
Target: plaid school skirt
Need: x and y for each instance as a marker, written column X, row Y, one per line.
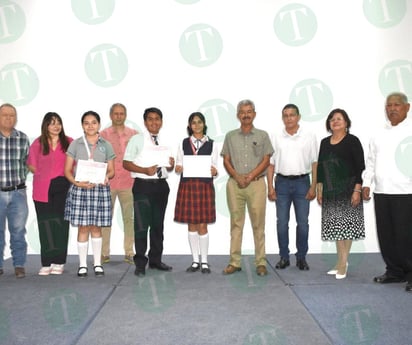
column 195, row 202
column 89, row 206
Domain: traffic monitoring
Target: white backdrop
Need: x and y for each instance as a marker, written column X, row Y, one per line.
column 70, row 56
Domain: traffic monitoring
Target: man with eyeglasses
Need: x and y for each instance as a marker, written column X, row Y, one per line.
column 294, row 159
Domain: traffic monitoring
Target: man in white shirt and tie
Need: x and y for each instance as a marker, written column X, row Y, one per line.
column 150, row 192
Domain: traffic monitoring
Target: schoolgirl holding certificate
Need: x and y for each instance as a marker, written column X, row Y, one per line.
column 195, row 202
column 89, row 166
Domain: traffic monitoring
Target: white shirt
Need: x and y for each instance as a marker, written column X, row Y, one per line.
column 215, row 153
column 294, row 154
column 138, row 151
column 389, row 159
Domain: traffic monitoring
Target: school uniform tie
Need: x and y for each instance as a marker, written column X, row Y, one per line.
column 159, row 169
column 198, row 144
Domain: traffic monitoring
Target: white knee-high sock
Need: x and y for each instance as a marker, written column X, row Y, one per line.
column 204, row 246
column 194, row 245
column 82, row 248
column 97, row 250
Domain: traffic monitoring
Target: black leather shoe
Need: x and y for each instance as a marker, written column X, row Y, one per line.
column 140, row 272
column 194, row 267
column 82, row 272
column 283, row 263
column 302, row 265
column 98, row 271
column 205, row 268
column 161, row 267
column 386, row 279
column 408, row 287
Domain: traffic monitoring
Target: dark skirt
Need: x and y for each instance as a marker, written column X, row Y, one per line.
column 89, row 206
column 195, row 202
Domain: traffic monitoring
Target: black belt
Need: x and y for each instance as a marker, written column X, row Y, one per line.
column 9, row 189
column 150, row 180
column 292, row 177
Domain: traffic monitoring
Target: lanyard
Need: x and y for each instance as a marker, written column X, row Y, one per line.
column 199, row 144
column 89, row 154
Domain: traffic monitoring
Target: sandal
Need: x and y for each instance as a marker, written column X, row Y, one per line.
column 82, row 272
column 205, row 268
column 98, row 271
column 193, row 267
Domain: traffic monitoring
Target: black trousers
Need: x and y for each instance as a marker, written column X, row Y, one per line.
column 394, row 226
column 149, row 201
column 53, row 229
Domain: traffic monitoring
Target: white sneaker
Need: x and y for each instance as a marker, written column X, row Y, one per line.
column 57, row 269
column 45, row 271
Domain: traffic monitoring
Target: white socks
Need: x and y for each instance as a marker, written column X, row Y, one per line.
column 97, row 250
column 199, row 243
column 82, row 247
column 204, row 246
column 194, row 245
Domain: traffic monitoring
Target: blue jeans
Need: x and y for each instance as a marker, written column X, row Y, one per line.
column 13, row 207
column 288, row 192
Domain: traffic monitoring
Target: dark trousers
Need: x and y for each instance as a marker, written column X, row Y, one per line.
column 394, row 227
column 150, row 201
column 53, row 229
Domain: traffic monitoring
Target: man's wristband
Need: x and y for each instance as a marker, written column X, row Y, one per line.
column 357, row 190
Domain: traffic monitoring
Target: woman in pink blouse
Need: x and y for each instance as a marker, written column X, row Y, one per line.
column 46, row 161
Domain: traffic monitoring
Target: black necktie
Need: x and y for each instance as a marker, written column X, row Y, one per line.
column 159, row 169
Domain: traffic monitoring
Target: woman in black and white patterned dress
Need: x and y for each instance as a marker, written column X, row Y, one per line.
column 339, row 189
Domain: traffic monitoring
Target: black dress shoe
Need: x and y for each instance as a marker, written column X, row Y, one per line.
column 82, row 272
column 205, row 268
column 283, row 263
column 194, row 267
column 161, row 267
column 302, row 265
column 140, row 272
column 408, row 287
column 386, row 279
column 98, row 271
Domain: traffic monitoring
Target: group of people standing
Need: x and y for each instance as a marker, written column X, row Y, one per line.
column 288, row 168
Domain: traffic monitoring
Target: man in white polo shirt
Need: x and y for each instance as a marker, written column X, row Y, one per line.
column 294, row 159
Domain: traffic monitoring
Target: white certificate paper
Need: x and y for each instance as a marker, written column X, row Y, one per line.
column 159, row 155
column 90, row 171
column 197, row 166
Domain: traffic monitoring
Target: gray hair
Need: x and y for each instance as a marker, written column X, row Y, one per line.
column 244, row 102
column 8, row 105
column 401, row 95
column 118, row 105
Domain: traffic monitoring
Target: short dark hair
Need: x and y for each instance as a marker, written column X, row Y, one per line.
column 152, row 110
column 191, row 117
column 291, row 106
column 345, row 116
column 92, row 113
